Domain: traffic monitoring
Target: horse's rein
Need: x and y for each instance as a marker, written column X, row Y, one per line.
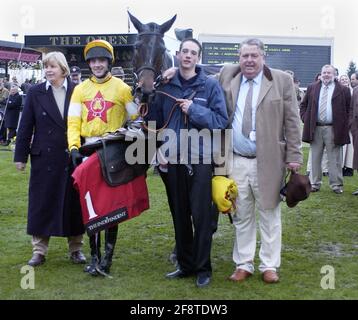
column 143, row 111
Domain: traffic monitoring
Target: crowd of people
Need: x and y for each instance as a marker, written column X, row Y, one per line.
column 263, row 109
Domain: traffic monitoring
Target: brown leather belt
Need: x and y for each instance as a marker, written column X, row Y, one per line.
column 323, row 124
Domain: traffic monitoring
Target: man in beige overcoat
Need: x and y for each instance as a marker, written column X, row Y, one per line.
column 263, row 114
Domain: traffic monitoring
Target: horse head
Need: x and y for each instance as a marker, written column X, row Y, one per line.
column 150, row 57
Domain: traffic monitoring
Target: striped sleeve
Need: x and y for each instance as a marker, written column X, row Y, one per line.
column 74, row 120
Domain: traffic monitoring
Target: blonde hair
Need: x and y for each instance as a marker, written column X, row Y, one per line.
column 59, row 58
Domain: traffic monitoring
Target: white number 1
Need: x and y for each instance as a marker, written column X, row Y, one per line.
column 92, row 213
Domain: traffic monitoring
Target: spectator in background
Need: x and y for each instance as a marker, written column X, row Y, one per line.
column 7, row 84
column 14, row 81
column 317, row 76
column 75, row 75
column 347, row 149
column 25, row 86
column 354, row 79
column 299, row 93
column 118, row 72
column 324, row 112
column 54, row 206
column 12, row 113
column 344, row 81
column 324, row 163
column 4, row 93
column 336, row 73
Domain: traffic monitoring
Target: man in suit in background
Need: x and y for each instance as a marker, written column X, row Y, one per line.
column 324, row 111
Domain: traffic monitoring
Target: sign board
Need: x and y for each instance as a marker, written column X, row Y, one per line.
column 304, row 60
column 78, row 40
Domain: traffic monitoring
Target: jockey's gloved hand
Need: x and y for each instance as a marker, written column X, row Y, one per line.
column 76, row 157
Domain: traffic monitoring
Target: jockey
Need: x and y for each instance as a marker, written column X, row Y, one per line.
column 98, row 106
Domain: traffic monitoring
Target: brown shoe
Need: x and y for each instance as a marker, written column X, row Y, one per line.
column 240, row 275
column 270, row 276
column 36, row 260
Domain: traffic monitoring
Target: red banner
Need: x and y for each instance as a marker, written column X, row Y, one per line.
column 13, row 55
column 102, row 205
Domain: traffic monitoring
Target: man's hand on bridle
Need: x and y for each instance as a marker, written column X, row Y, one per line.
column 184, row 104
column 168, row 74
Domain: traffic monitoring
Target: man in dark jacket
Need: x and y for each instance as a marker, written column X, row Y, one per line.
column 4, row 93
column 324, row 111
column 190, row 103
column 12, row 113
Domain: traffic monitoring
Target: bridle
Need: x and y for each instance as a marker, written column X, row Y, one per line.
column 157, row 73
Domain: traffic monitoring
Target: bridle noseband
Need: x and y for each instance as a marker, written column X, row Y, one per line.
column 137, row 72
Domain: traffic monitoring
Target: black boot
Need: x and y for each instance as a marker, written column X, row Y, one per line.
column 95, row 245
column 110, row 238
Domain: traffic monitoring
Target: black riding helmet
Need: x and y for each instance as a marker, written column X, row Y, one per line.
column 99, row 49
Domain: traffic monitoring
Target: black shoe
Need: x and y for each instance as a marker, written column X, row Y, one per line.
column 178, row 273
column 326, row 174
column 203, row 281
column 36, row 260
column 92, row 267
column 338, row 191
column 314, row 189
column 355, row 193
column 347, row 172
column 78, row 257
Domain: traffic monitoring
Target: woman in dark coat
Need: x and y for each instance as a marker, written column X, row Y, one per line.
column 12, row 112
column 54, row 208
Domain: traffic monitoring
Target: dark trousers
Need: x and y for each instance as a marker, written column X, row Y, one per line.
column 3, row 132
column 192, row 216
column 11, row 133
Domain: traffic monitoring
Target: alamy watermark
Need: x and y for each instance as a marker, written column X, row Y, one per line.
column 28, row 280
column 187, row 146
column 328, row 280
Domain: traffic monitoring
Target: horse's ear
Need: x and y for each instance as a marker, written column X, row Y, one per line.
column 137, row 24
column 167, row 25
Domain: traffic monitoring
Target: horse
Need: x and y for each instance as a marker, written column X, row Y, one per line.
column 150, row 56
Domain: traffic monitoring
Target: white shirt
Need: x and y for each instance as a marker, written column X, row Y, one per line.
column 331, row 86
column 243, row 145
column 59, row 95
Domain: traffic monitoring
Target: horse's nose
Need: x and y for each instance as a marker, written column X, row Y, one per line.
column 147, row 90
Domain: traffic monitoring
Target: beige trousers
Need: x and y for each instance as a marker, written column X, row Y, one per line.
column 348, row 152
column 245, row 175
column 40, row 244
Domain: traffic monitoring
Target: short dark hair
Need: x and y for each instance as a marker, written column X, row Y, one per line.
column 192, row 40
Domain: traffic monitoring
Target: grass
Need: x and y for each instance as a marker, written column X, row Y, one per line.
column 320, row 231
